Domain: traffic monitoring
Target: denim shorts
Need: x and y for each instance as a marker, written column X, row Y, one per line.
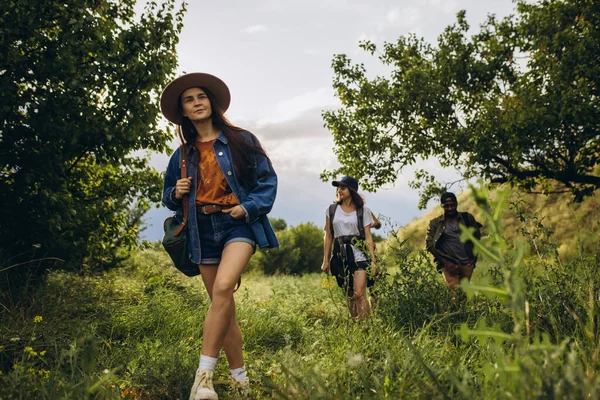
column 217, row 231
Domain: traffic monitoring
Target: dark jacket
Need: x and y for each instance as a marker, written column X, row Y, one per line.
column 436, row 230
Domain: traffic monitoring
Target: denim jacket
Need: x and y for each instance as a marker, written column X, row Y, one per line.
column 436, row 229
column 256, row 201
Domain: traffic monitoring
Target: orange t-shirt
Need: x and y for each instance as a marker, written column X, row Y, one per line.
column 212, row 186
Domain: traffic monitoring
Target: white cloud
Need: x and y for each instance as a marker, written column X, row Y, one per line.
column 447, row 6
column 306, row 125
column 393, row 16
column 255, row 29
column 311, row 156
column 407, row 17
column 293, row 107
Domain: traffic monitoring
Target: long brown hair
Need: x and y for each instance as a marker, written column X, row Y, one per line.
column 240, row 149
column 357, row 199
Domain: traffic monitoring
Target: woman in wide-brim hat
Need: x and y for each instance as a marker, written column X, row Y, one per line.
column 343, row 255
column 230, row 187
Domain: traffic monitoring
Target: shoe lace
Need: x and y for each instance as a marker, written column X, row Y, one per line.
column 205, row 380
column 241, row 387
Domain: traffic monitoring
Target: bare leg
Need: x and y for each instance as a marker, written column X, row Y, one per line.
column 349, row 291
column 452, row 280
column 218, row 320
column 352, row 307
column 360, row 293
column 466, row 271
column 232, row 344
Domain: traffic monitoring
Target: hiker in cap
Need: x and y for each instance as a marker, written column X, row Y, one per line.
column 230, row 187
column 455, row 260
column 347, row 229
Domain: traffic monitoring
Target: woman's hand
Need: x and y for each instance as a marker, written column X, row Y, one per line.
column 373, row 268
column 325, row 266
column 236, row 212
column 182, row 187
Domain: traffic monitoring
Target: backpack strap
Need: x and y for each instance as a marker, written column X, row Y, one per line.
column 332, row 208
column 361, row 222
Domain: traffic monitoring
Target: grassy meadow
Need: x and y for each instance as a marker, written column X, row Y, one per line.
column 525, row 327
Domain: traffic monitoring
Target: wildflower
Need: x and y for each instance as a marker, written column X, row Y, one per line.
column 30, row 350
column 37, row 318
column 328, row 282
column 1, row 347
column 43, row 353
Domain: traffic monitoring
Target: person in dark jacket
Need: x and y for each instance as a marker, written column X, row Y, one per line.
column 454, row 259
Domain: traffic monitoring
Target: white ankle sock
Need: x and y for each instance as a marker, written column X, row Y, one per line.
column 239, row 374
column 207, row 362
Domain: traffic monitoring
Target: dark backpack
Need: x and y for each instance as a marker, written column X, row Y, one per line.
column 345, row 280
column 359, row 218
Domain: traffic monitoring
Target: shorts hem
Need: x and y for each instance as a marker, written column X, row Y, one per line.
column 210, row 261
column 240, row 239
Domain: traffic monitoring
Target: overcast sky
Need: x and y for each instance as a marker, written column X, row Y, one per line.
column 275, row 56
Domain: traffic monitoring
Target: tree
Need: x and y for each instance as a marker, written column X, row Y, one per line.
column 517, row 102
column 278, row 224
column 80, row 83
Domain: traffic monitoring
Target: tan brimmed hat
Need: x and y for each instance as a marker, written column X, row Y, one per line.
column 169, row 100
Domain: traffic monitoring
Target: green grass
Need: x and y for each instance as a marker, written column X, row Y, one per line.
column 528, row 329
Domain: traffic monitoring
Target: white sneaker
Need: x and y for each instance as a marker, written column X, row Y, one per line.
column 203, row 387
column 240, row 388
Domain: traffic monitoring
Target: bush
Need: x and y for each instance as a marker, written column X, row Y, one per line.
column 300, row 251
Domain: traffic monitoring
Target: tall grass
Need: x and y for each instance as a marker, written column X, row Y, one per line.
column 525, row 327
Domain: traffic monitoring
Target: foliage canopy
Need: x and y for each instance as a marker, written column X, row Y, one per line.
column 80, row 84
column 517, row 102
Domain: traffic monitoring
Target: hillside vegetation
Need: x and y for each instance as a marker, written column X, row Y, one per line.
column 529, row 329
column 574, row 226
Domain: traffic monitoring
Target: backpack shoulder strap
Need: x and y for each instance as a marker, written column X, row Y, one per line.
column 361, row 222
column 332, row 208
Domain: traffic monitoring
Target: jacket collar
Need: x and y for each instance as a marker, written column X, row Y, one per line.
column 221, row 138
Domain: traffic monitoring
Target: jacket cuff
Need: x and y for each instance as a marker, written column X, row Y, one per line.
column 251, row 210
column 246, row 212
column 170, row 201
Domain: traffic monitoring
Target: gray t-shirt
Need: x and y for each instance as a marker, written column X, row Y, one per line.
column 450, row 243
